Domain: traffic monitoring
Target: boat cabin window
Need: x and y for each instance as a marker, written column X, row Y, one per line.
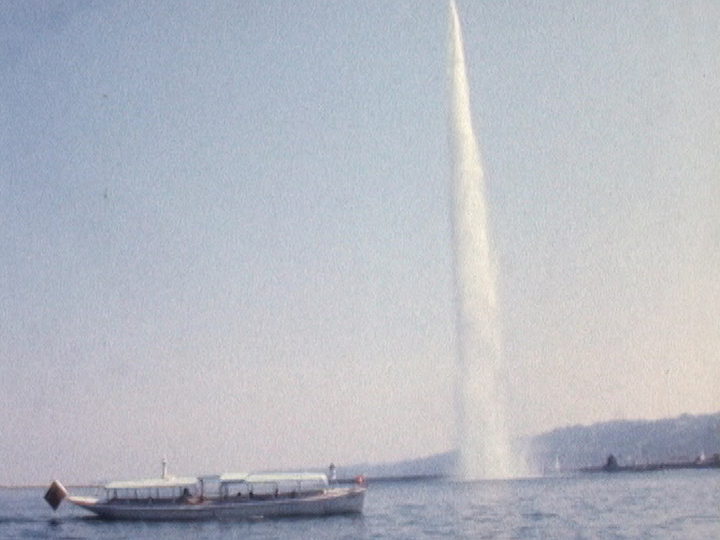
column 159, row 493
column 272, row 487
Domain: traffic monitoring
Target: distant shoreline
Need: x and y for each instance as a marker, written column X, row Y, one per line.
column 650, row 467
column 405, row 478
column 612, row 466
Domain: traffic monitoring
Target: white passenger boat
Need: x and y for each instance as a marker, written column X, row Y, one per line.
column 233, row 496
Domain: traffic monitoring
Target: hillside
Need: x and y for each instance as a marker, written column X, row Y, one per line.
column 631, row 441
column 570, row 448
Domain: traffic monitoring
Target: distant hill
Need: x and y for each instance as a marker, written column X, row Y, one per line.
column 632, row 442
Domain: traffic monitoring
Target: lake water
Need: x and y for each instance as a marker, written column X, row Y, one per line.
column 664, row 505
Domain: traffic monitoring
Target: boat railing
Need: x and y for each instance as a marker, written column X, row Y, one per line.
column 266, row 487
column 152, row 495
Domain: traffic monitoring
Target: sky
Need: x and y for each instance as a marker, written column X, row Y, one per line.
column 225, row 226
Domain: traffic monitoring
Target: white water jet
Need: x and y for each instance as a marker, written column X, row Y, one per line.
column 483, row 438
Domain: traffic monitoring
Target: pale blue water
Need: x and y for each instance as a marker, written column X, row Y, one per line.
column 663, row 505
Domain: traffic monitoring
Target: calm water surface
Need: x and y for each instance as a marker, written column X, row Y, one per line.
column 663, row 505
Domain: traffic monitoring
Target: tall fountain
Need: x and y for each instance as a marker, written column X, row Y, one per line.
column 483, row 438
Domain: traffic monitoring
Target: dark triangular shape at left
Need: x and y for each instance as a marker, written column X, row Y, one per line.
column 55, row 494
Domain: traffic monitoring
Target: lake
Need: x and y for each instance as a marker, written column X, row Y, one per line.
column 664, row 505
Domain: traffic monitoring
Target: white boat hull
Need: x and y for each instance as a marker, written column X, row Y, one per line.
column 333, row 501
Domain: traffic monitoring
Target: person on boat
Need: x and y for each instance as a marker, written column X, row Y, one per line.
column 186, row 496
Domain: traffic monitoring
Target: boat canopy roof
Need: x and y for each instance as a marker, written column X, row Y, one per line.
column 272, row 478
column 152, row 483
column 264, row 478
column 227, row 478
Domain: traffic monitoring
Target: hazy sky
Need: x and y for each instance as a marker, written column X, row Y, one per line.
column 225, row 226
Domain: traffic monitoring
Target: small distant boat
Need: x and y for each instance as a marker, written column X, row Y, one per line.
column 230, row 496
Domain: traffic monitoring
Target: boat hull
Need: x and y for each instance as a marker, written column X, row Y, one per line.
column 335, row 501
